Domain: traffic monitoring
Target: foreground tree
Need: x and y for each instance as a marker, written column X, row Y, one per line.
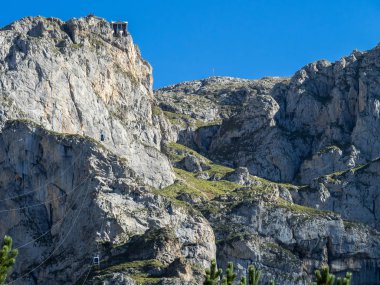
column 7, row 258
column 346, row 280
column 324, row 277
column 212, row 274
column 253, row 275
column 230, row 275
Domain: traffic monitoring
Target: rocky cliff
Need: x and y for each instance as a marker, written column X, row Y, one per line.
column 322, row 120
column 76, row 77
column 66, row 199
column 318, row 129
column 93, row 164
column 281, row 228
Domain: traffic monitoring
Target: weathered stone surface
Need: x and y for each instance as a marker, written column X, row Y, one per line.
column 251, row 139
column 355, row 194
column 328, row 160
column 192, row 163
column 324, row 119
column 223, row 96
column 196, row 108
column 113, row 279
column 240, row 175
column 66, row 198
column 75, row 77
column 288, row 241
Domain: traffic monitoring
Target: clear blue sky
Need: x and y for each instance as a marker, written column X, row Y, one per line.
column 187, row 39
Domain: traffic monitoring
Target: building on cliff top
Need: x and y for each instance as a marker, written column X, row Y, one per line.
column 119, row 28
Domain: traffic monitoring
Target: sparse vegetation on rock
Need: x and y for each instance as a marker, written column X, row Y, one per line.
column 322, row 276
column 282, row 173
column 7, row 258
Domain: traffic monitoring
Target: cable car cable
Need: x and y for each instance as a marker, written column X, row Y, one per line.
column 59, row 245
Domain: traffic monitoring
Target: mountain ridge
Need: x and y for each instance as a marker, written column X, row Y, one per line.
column 185, row 174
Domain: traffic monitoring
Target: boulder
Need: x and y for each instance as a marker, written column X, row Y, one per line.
column 190, row 163
column 240, row 175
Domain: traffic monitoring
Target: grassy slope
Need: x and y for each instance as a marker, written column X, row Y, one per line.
column 207, row 190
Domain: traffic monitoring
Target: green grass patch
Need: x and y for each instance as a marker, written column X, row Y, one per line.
column 352, row 225
column 66, row 136
column 156, row 110
column 137, row 264
column 184, row 120
column 360, row 166
column 336, row 176
column 295, row 208
column 177, row 152
column 217, row 169
column 187, row 183
column 328, row 149
column 135, row 270
column 177, row 119
column 200, row 123
column 144, row 279
column 76, row 46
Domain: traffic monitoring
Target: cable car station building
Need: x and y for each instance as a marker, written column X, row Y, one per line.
column 119, row 28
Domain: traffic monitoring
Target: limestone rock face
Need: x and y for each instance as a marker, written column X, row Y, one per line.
column 190, row 163
column 324, row 119
column 330, row 159
column 196, row 108
column 76, row 77
column 88, row 158
column 320, row 129
column 114, row 279
column 254, row 128
column 353, row 193
column 287, row 241
column 66, row 199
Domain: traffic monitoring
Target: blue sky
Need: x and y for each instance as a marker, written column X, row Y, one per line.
column 193, row 39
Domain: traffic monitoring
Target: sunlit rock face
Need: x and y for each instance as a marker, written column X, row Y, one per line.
column 323, row 119
column 319, row 129
column 93, row 164
column 76, row 77
column 320, row 122
column 66, row 199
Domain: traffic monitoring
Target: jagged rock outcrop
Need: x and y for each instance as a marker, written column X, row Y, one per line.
column 89, row 164
column 325, row 105
column 240, row 175
column 196, row 108
column 273, row 155
column 288, row 241
column 76, row 77
column 265, row 224
column 324, row 119
column 223, row 96
column 355, row 194
column 65, row 199
column 192, row 163
column 318, row 128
